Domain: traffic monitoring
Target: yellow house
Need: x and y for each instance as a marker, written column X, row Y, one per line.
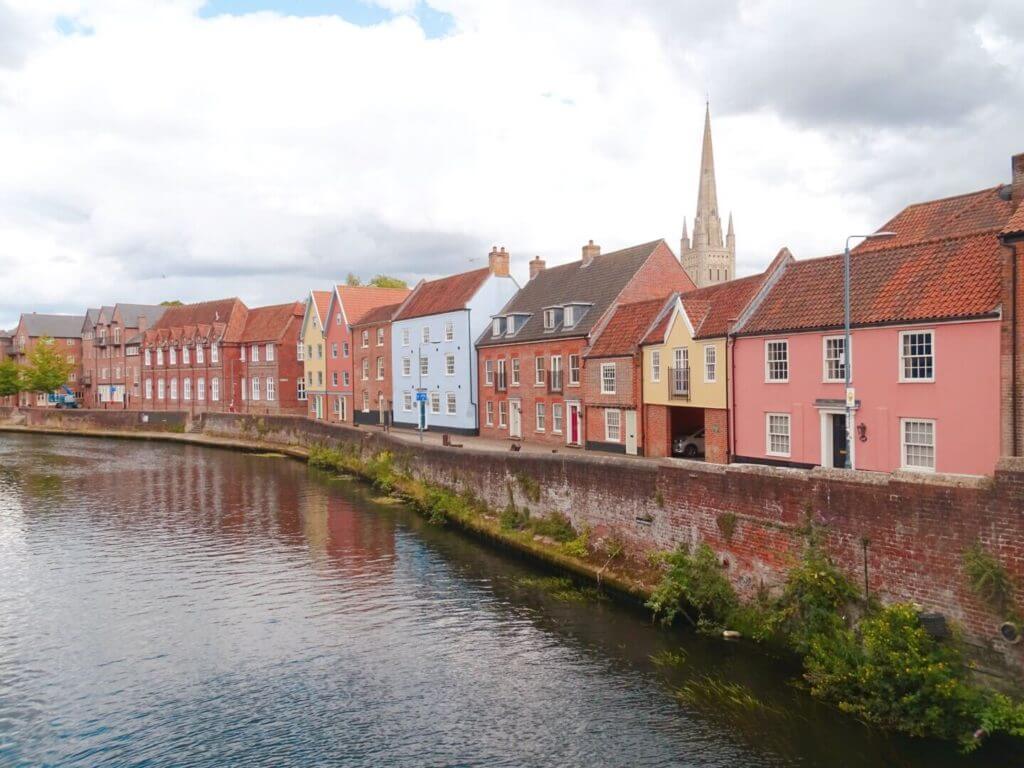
column 314, row 364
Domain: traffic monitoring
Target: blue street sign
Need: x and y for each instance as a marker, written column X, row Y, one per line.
column 421, row 397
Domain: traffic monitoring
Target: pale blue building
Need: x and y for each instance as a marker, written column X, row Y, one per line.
column 433, row 354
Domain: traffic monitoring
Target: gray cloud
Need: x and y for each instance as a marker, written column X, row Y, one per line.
column 15, row 37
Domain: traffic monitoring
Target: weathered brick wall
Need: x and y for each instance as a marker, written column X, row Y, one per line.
column 716, row 435
column 85, row 419
column 915, row 528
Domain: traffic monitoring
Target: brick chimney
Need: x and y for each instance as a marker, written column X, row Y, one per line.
column 590, row 252
column 1017, row 166
column 537, row 265
column 498, row 261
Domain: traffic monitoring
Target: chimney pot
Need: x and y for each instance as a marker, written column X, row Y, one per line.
column 1017, row 166
column 590, row 252
column 537, row 265
column 498, row 262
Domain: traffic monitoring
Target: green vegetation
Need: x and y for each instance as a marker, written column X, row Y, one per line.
column 722, row 696
column 989, row 580
column 561, row 588
column 726, row 524
column 171, row 303
column 885, row 669
column 529, row 487
column 377, row 281
column 10, row 378
column 47, row 369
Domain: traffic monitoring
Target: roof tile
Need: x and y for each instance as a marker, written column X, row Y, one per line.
column 627, row 327
column 447, row 294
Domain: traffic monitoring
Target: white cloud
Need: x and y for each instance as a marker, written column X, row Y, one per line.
column 153, row 154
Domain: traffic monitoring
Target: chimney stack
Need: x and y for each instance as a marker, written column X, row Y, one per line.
column 537, row 265
column 1017, row 166
column 590, row 252
column 498, row 261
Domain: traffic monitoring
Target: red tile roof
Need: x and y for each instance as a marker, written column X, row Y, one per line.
column 628, row 326
column 377, row 315
column 322, row 300
column 360, row 299
column 445, row 295
column 713, row 310
column 270, row 323
column 932, row 280
column 1016, row 223
column 224, row 317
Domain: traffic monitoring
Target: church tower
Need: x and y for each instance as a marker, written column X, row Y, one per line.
column 706, row 258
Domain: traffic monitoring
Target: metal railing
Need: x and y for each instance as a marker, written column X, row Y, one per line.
column 679, row 383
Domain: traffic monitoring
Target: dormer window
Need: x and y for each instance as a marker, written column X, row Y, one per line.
column 570, row 316
column 497, row 326
column 552, row 317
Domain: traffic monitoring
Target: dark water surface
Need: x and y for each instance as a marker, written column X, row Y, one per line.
column 164, row 605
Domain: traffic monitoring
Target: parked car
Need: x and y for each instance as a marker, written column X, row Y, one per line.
column 690, row 446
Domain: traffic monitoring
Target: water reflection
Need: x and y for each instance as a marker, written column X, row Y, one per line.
column 164, row 605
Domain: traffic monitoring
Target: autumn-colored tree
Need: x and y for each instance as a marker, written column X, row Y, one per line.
column 47, row 368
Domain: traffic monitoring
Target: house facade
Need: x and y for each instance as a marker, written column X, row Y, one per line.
column 111, row 364
column 191, row 358
column 927, row 317
column 433, row 356
column 349, row 306
column 270, row 372
column 531, row 367
column 66, row 334
column 312, row 339
column 372, row 381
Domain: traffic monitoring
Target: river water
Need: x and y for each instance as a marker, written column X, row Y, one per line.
column 163, row 605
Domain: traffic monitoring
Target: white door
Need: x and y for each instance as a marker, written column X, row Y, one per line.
column 380, row 407
column 515, row 420
column 631, row 433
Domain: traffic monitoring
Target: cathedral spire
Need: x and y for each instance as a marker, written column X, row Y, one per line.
column 707, row 193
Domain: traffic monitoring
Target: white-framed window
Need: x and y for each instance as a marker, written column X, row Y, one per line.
column 380, row 368
column 200, row 389
column 147, row 358
column 451, row 404
column 319, row 351
column 334, row 378
column 214, row 352
column 160, row 389
column 425, row 334
column 201, row 353
column 710, row 364
column 569, row 316
column 271, row 389
column 655, row 366
column 612, row 425
column 502, row 381
column 407, row 401
column 344, row 349
column 539, row 372
column 174, row 389
column 607, row 378
column 149, row 389
column 497, row 326
column 160, row 356
column 776, row 360
column 309, row 351
column 334, row 350
column 243, row 389
column 777, row 434
column 255, row 389
column 185, row 356
column 172, row 355
column 541, row 423
column 406, row 366
column 424, row 365
column 300, row 390
column 556, row 418
column 269, row 353
column 550, row 319
column 917, row 444
column 366, row 369
column 489, row 372
column 435, row 402
column 241, row 353
column 489, row 413
column 556, row 372
column 341, row 406
column 300, row 351
column 337, row 318
column 917, row 356
column 449, row 330
column 215, row 389
column 449, row 364
column 366, row 401
column 380, row 337
column 503, row 413
column 405, row 337
column 834, row 358
column 574, row 370
column 365, row 338
column 186, row 389
column 515, row 371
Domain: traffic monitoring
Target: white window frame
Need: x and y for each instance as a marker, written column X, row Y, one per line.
column 159, row 355
column 406, row 337
column 201, row 389
column 214, row 352
column 608, row 438
column 380, row 367
column 489, row 373
column 514, row 371
column 656, row 365
column 380, row 336
column 901, row 359
column 254, row 389
column 449, row 364
column 767, row 361
column 710, row 366
column 334, row 350
column 201, row 354
column 406, row 366
column 186, row 358
column 904, row 422
column 435, row 402
column 147, row 358
column 540, row 417
column 574, row 380
column 215, row 389
column 173, row 389
column 502, row 414
column 848, row 358
column 451, row 403
column 449, row 330
column 557, row 418
column 149, row 389
column 425, row 334
column 172, row 356
column 489, row 413
column 300, row 389
column 186, row 389
column 768, row 434
column 268, row 351
column 424, row 365
column 271, row 389
column 407, row 402
column 161, row 389
column 539, row 371
column 604, row 379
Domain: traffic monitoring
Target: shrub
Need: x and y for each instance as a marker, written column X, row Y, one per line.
column 578, row 547
column 555, row 526
column 813, row 600
column 989, row 579
column 512, row 519
column 693, row 580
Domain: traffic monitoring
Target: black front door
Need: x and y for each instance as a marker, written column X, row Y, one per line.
column 838, row 440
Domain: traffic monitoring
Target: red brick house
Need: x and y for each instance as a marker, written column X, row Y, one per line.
column 371, row 381
column 66, row 332
column 191, row 358
column 270, row 371
column 349, row 306
column 531, row 359
column 111, row 364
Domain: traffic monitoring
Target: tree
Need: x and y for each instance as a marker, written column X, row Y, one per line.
column 47, row 369
column 353, row 280
column 10, row 378
column 384, row 281
column 171, row 303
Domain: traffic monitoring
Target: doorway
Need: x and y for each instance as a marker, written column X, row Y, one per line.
column 515, row 419
column 631, row 432
column 839, row 440
column 574, row 432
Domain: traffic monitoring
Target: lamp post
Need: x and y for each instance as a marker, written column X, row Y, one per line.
column 847, row 368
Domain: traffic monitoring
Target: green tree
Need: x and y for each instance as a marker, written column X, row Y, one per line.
column 171, row 303
column 385, row 281
column 353, row 279
column 47, row 369
column 10, row 378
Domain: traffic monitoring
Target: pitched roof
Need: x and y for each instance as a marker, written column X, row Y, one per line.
column 597, row 284
column 270, row 323
column 713, row 310
column 357, row 300
column 322, row 302
column 933, row 280
column 91, row 317
column 130, row 313
column 447, row 294
column 628, row 326
column 35, row 325
column 1016, row 224
column 384, row 314
column 225, row 316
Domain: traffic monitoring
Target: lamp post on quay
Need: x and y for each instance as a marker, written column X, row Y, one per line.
column 850, row 396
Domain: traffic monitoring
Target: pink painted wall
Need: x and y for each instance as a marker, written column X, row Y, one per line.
column 963, row 399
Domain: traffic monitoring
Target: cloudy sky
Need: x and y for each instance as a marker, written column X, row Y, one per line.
column 192, row 149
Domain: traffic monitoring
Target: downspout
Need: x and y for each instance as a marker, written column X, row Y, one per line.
column 1014, row 352
column 472, row 371
column 730, row 389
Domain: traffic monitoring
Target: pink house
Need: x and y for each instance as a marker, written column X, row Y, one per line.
column 927, row 314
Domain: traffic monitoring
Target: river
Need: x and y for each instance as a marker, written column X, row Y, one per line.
column 168, row 605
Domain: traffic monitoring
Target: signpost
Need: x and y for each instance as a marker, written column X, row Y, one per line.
column 421, row 400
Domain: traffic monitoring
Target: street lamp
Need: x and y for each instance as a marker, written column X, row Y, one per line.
column 850, row 398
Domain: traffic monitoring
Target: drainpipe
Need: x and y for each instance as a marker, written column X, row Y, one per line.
column 1014, row 352
column 730, row 390
column 472, row 371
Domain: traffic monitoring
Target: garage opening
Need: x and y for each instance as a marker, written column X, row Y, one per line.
column 687, row 432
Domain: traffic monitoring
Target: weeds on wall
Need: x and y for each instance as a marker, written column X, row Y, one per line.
column 989, row 580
